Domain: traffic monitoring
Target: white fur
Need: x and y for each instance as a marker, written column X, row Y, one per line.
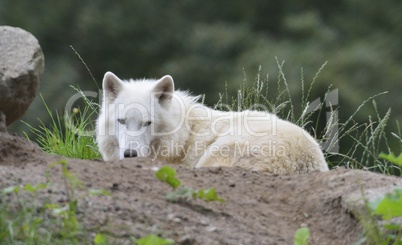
column 169, row 125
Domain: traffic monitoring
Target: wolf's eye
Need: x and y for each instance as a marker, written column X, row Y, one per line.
column 147, row 123
column 121, row 121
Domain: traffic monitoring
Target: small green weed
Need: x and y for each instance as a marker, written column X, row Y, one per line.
column 100, row 239
column 392, row 158
column 154, row 240
column 301, row 236
column 388, row 207
column 36, row 221
column 168, row 175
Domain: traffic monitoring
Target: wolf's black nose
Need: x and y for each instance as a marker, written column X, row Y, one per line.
column 130, row 153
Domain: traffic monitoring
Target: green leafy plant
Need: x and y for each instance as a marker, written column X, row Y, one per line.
column 379, row 226
column 397, row 160
column 390, row 206
column 100, row 239
column 301, row 236
column 154, row 240
column 168, row 175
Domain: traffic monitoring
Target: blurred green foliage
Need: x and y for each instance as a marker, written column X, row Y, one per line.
column 206, row 44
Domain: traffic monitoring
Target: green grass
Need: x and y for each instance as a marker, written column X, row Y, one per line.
column 360, row 143
column 71, row 135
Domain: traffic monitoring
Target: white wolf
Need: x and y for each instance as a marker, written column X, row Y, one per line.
column 150, row 118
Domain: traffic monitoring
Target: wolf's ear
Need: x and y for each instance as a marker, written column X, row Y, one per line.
column 112, row 85
column 164, row 89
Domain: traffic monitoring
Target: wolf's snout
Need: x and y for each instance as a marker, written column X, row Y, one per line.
column 130, row 153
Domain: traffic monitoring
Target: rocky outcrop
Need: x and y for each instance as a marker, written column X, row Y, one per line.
column 21, row 69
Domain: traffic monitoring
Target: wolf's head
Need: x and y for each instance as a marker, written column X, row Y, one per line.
column 134, row 109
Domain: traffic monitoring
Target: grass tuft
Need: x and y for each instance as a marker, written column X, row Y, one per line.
column 350, row 143
column 71, row 135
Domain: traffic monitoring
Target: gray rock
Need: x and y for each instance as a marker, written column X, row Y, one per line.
column 21, row 69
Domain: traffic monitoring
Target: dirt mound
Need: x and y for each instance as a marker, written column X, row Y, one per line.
column 258, row 208
column 17, row 151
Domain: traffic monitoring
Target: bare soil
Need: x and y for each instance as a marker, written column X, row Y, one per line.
column 258, row 208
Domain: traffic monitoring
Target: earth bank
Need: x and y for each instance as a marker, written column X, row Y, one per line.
column 258, row 208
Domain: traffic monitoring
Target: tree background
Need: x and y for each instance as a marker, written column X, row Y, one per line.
column 207, row 44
